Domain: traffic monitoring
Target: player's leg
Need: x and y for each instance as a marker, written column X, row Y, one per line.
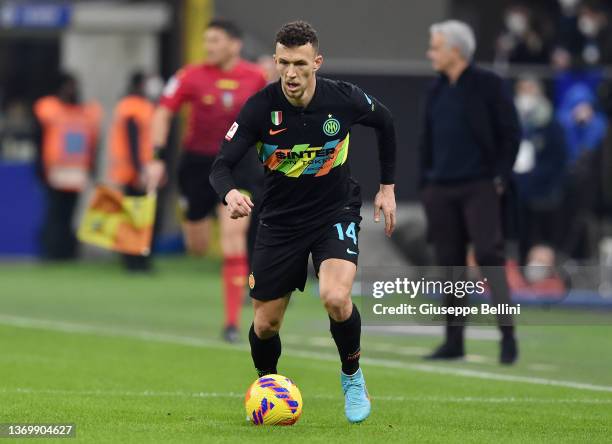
column 197, row 235
column 199, row 200
column 279, row 266
column 235, row 268
column 336, row 278
column 334, row 257
column 264, row 335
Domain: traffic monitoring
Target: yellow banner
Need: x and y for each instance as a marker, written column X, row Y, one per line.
column 119, row 223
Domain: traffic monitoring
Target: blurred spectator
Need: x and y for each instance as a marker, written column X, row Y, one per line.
column 582, row 37
column 131, row 147
column 68, row 137
column 540, row 278
column 520, row 42
column 16, row 133
column 539, row 169
column 585, row 129
column 569, row 38
column 606, row 163
column 584, row 126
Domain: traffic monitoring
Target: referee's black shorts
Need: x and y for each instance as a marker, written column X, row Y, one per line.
column 280, row 257
column 198, row 196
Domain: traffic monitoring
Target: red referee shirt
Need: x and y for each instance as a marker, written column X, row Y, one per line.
column 215, row 98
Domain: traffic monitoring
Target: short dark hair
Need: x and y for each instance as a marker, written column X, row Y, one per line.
column 297, row 33
column 228, row 26
column 63, row 78
column 137, row 79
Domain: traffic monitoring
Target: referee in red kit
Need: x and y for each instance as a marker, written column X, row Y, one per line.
column 215, row 91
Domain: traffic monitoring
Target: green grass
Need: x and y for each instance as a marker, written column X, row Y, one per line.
column 138, row 359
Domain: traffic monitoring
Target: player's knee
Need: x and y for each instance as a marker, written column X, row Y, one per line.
column 266, row 328
column 233, row 246
column 337, row 302
column 197, row 247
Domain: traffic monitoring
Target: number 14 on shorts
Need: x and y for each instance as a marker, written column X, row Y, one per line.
column 349, row 233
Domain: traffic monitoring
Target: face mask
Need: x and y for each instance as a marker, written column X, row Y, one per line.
column 536, row 271
column 583, row 113
column 153, row 88
column 526, row 103
column 588, row 26
column 516, row 23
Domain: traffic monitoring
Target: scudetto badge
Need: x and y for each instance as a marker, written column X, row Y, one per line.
column 276, row 117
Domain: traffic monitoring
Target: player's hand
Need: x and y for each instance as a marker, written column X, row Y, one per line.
column 238, row 204
column 385, row 201
column 154, row 175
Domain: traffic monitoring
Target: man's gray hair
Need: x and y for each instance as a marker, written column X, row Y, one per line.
column 458, row 35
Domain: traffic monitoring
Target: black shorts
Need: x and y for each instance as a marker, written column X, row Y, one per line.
column 280, row 258
column 199, row 197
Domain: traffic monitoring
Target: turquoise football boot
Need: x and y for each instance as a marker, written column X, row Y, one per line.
column 356, row 399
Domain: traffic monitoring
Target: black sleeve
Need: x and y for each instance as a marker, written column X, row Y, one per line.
column 134, row 143
column 241, row 136
column 508, row 126
column 424, row 147
column 374, row 114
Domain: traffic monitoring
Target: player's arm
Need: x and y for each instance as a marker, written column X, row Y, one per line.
column 232, row 151
column 241, row 136
column 174, row 95
column 376, row 115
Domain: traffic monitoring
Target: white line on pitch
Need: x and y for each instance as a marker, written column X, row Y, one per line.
column 182, row 394
column 69, row 327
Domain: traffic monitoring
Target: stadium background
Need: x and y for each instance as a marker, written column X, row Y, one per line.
column 105, row 340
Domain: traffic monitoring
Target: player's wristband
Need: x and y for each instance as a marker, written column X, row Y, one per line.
column 160, row 153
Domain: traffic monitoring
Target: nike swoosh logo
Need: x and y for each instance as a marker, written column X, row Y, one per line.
column 275, row 132
column 350, row 251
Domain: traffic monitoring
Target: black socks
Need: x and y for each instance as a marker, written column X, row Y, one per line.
column 347, row 336
column 265, row 352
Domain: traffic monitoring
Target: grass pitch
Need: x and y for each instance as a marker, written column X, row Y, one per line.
column 139, row 359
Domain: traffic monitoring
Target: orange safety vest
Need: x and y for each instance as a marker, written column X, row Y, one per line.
column 122, row 171
column 70, row 134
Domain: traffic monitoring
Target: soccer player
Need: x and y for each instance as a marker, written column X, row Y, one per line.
column 301, row 127
column 216, row 91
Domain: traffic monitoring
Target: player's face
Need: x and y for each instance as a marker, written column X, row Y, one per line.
column 220, row 47
column 296, row 67
column 441, row 55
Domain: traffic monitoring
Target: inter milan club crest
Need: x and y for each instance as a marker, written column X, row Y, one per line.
column 331, row 126
column 277, row 117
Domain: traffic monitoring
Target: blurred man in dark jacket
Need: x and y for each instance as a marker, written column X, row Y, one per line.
column 470, row 140
column 585, row 129
column 539, row 171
